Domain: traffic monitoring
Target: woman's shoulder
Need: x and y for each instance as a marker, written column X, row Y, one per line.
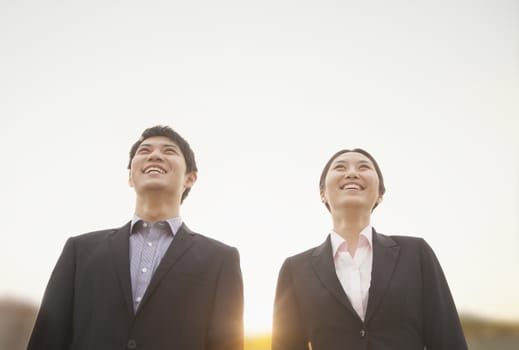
column 401, row 240
column 407, row 243
column 309, row 254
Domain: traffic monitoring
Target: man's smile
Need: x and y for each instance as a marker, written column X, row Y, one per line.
column 154, row 169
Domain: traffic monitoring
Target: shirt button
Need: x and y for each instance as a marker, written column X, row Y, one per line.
column 149, row 244
column 138, row 299
column 144, row 270
column 132, row 344
column 362, row 333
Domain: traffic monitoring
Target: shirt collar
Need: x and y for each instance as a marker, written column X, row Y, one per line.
column 337, row 240
column 174, row 223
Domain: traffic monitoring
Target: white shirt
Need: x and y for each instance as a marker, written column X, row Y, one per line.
column 354, row 273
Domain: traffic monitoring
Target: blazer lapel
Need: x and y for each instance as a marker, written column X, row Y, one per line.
column 385, row 256
column 119, row 245
column 181, row 243
column 325, row 270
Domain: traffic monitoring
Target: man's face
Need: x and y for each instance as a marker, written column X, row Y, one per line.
column 159, row 165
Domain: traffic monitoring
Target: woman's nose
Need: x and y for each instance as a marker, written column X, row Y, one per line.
column 352, row 173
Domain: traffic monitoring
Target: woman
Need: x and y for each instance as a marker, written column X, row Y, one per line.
column 361, row 289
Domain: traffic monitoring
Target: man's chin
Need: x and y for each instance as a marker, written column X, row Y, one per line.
column 154, row 186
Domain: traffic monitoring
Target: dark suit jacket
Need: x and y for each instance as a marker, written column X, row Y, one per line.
column 409, row 307
column 193, row 302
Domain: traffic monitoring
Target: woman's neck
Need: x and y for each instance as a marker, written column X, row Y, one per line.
column 349, row 226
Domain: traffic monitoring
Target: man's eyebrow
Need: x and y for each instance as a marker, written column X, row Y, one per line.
column 161, row 145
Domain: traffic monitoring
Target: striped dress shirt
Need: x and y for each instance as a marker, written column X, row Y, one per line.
column 148, row 244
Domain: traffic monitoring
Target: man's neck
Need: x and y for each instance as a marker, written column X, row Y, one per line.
column 151, row 210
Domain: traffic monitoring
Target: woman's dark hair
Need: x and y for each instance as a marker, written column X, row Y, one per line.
column 381, row 186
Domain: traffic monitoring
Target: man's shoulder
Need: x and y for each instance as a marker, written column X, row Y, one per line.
column 101, row 234
column 207, row 241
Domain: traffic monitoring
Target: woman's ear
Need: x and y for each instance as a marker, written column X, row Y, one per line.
column 323, row 197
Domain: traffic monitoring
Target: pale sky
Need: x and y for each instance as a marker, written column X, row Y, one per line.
column 266, row 92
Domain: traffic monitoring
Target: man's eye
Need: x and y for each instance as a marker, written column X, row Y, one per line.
column 170, row 150
column 339, row 167
column 143, row 150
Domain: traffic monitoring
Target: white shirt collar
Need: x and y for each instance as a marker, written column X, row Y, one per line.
column 337, row 240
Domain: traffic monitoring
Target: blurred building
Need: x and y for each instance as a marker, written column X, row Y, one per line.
column 17, row 319
column 16, row 322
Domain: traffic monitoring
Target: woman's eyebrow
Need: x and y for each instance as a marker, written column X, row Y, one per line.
column 347, row 162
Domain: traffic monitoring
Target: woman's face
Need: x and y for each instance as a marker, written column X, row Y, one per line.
column 351, row 182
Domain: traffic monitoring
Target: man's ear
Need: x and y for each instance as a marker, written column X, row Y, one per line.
column 190, row 179
column 130, row 182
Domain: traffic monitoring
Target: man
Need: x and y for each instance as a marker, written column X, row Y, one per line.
column 152, row 284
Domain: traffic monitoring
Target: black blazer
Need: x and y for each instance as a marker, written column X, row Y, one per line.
column 410, row 306
column 193, row 302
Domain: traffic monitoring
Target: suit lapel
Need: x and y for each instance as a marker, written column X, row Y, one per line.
column 385, row 256
column 324, row 267
column 119, row 245
column 181, row 243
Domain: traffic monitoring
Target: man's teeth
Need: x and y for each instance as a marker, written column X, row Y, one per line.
column 155, row 170
column 352, row 187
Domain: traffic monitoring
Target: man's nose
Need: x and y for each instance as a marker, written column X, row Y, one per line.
column 155, row 154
